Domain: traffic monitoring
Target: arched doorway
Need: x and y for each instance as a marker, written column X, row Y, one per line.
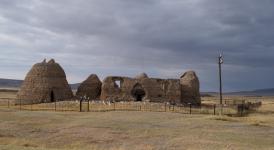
column 138, row 92
column 52, row 99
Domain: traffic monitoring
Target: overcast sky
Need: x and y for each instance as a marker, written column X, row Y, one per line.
column 163, row 38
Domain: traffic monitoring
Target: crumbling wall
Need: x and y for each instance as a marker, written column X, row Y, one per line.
column 173, row 90
column 156, row 90
column 190, row 88
column 117, row 88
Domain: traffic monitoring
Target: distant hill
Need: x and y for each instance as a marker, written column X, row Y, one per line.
column 259, row 92
column 10, row 83
column 15, row 84
column 75, row 86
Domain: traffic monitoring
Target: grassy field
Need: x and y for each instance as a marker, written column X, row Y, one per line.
column 135, row 130
column 7, row 94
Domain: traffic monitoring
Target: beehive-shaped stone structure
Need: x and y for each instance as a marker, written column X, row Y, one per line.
column 91, row 88
column 190, row 88
column 45, row 82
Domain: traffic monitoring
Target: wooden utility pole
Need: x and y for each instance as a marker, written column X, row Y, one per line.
column 220, row 77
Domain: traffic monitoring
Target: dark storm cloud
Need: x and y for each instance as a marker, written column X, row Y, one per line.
column 125, row 37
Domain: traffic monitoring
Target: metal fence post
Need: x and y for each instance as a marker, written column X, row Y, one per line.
column 31, row 105
column 91, row 105
column 55, row 105
column 20, row 104
column 88, row 105
column 190, row 108
column 242, row 110
column 80, row 105
column 214, row 106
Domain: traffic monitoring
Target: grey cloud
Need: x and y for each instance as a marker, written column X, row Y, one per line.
column 125, row 37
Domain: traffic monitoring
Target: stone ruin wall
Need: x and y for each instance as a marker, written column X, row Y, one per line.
column 190, row 88
column 156, row 90
column 184, row 90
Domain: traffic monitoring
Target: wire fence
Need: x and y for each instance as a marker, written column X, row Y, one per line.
column 232, row 108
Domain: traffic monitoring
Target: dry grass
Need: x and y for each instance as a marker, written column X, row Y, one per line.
column 128, row 130
column 135, row 130
column 7, row 94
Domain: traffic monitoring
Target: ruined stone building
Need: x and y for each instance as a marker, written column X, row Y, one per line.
column 45, row 82
column 142, row 88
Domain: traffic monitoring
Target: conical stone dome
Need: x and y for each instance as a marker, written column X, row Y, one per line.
column 45, row 82
column 91, row 87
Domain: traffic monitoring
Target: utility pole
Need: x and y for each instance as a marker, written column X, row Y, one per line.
column 221, row 61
